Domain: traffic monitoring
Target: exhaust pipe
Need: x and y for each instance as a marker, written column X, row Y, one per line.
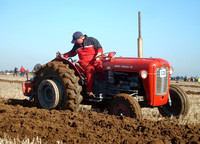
column 140, row 48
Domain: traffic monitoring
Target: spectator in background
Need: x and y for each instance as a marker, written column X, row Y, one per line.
column 27, row 72
column 177, row 79
column 15, row 71
column 196, row 78
column 185, row 78
column 22, row 71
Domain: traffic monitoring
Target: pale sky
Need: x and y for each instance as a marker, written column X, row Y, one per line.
column 33, row 31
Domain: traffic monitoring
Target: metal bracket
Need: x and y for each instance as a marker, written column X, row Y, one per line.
column 169, row 100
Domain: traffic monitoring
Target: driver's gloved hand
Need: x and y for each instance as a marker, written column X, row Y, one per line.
column 97, row 59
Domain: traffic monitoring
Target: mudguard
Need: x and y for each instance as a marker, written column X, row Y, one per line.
column 71, row 65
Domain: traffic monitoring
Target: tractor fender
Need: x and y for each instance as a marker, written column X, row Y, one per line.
column 71, row 65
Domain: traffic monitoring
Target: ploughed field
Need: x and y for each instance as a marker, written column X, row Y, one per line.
column 20, row 119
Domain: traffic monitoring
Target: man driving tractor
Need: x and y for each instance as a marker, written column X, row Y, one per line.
column 88, row 49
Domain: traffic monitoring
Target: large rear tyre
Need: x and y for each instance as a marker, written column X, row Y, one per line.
column 179, row 103
column 126, row 105
column 56, row 86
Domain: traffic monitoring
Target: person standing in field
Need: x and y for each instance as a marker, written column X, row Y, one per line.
column 27, row 72
column 22, row 71
column 15, row 71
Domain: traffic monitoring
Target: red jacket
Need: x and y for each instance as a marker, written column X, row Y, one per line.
column 22, row 69
column 86, row 51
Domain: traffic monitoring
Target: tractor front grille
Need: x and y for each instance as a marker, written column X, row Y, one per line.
column 162, row 76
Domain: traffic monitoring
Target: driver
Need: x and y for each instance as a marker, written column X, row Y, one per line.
column 88, row 50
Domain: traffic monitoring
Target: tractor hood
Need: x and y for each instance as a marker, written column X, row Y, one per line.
column 129, row 64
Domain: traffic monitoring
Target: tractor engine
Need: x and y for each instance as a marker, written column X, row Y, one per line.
column 119, row 82
column 122, row 82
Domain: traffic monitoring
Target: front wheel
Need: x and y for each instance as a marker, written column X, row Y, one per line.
column 126, row 105
column 179, row 103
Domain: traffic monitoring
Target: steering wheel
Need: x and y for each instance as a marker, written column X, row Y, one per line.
column 72, row 60
column 106, row 55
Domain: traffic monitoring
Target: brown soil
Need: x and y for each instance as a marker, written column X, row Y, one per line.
column 192, row 92
column 193, row 86
column 20, row 118
column 11, row 81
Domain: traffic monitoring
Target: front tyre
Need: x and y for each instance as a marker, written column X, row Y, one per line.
column 126, row 105
column 179, row 103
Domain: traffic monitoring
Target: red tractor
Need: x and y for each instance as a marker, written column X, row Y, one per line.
column 129, row 85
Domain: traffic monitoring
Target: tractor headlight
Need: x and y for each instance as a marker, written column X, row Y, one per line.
column 143, row 74
column 171, row 71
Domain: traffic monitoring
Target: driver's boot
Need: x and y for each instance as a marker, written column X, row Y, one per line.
column 90, row 95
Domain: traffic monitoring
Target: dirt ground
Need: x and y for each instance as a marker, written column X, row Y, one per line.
column 20, row 118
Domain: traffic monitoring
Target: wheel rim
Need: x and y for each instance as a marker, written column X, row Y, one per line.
column 49, row 94
column 121, row 109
